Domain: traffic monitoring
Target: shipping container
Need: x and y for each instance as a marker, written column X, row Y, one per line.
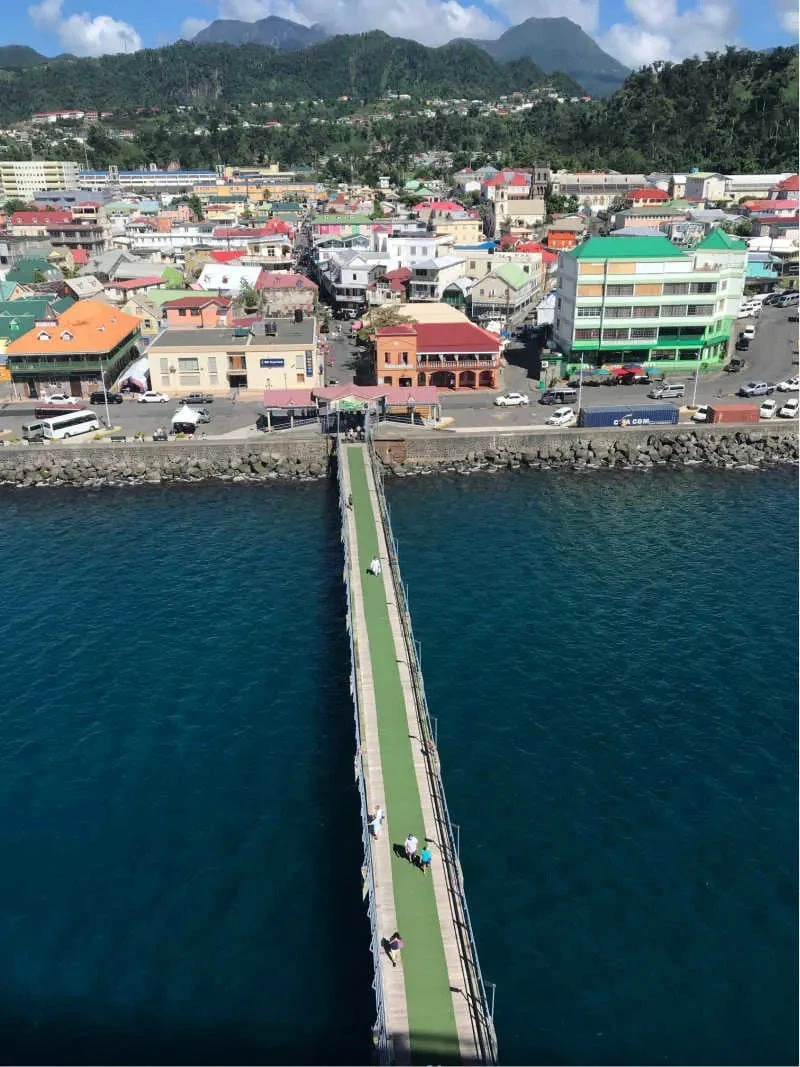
column 642, row 415
column 733, row 413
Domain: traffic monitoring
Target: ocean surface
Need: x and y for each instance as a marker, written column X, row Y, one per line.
column 612, row 660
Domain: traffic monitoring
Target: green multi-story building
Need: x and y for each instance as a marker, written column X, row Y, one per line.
column 641, row 299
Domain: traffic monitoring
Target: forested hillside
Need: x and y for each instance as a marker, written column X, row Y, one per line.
column 733, row 111
column 362, row 66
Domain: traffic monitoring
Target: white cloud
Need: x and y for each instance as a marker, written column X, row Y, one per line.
column 433, row 22
column 786, row 11
column 84, row 35
column 192, row 26
column 658, row 30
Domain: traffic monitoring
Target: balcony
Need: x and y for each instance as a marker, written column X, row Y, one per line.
column 464, row 362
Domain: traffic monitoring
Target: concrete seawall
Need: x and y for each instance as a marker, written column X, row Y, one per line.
column 99, row 463
column 719, row 446
column 112, row 463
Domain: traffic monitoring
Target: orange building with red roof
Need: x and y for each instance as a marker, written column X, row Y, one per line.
column 448, row 355
column 71, row 352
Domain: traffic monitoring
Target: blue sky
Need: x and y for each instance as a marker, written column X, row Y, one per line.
column 635, row 31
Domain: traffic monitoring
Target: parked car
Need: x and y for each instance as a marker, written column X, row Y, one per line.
column 198, row 398
column 204, row 415
column 772, row 298
column 160, row 434
column 789, row 409
column 61, row 398
column 99, row 397
column 742, row 343
column 152, row 398
column 768, row 409
column 757, row 389
column 749, row 332
column 509, row 400
column 563, row 417
column 737, row 363
column 702, row 414
column 789, row 385
column 667, row 391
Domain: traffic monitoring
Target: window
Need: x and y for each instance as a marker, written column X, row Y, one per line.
column 699, row 309
column 194, row 312
column 615, row 335
column 619, row 290
column 646, row 311
column 212, row 364
column 300, row 362
column 190, row 365
column 404, row 357
column 587, row 335
column 676, row 288
column 355, row 277
column 639, row 333
column 704, row 287
column 165, row 368
column 300, row 379
column 190, row 379
column 182, row 313
column 673, row 311
column 584, row 312
column 618, row 313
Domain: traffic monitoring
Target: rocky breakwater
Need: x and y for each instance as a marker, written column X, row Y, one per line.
column 579, row 450
column 109, row 463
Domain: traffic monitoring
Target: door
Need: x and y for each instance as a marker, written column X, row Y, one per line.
column 75, row 387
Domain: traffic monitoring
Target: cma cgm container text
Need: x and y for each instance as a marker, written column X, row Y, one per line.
column 733, row 413
column 647, row 415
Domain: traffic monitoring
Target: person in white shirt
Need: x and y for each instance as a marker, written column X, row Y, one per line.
column 411, row 848
column 375, row 566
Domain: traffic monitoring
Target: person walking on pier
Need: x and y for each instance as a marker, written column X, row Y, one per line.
column 411, row 848
column 375, row 566
column 425, row 858
column 376, row 823
column 392, row 946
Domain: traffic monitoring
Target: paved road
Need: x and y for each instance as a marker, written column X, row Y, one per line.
column 772, row 356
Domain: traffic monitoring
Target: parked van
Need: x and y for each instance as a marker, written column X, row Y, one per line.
column 667, row 391
column 789, row 300
column 567, row 395
column 32, row 431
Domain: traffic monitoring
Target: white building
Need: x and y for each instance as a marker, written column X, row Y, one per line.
column 20, row 179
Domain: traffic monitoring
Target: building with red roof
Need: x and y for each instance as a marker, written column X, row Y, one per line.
column 35, row 223
column 447, row 355
column 646, row 196
column 286, row 293
column 203, row 310
column 788, row 188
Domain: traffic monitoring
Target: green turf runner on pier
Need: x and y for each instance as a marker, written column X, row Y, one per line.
column 432, row 1026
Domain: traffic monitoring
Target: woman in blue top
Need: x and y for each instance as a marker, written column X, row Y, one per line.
column 425, row 858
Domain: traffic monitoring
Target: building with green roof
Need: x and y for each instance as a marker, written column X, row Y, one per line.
column 507, row 289
column 641, row 299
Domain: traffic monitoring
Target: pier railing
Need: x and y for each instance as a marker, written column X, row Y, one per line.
column 379, row 1032
column 481, row 1011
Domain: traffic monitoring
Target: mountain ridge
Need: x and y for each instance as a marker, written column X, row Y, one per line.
column 273, row 31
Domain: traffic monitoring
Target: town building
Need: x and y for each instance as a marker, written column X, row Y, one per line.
column 195, row 311
column 505, row 291
column 646, row 196
column 596, row 190
column 517, row 216
column 21, row 179
column 286, row 293
column 75, row 351
column 642, row 298
column 153, row 180
column 448, row 355
column 281, row 354
column 564, row 233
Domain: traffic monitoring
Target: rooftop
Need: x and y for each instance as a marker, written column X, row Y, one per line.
column 89, row 326
column 289, row 333
column 627, row 248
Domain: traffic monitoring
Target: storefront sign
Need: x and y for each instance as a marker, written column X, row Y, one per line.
column 271, row 362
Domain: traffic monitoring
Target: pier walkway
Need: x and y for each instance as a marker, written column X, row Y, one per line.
column 431, row 1007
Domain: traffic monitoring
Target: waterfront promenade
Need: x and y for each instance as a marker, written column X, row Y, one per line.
column 433, row 1003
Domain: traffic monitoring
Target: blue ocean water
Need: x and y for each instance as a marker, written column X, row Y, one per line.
column 612, row 659
column 179, row 834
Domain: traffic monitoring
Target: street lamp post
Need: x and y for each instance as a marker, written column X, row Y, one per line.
column 580, row 382
column 411, row 403
column 105, row 391
column 696, row 376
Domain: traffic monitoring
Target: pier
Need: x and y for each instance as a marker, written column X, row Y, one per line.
column 431, row 1003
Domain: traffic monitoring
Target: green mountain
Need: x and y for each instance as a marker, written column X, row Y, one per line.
column 560, row 44
column 362, row 67
column 281, row 34
column 13, row 56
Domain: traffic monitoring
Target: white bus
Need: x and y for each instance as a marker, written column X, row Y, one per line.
column 59, row 427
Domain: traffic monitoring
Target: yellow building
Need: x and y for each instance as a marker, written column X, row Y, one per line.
column 219, row 360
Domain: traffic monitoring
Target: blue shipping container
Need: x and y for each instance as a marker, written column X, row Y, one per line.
column 647, row 415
